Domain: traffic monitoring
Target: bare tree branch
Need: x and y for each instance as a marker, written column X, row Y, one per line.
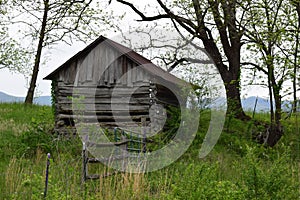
column 141, row 14
column 190, row 60
column 256, row 66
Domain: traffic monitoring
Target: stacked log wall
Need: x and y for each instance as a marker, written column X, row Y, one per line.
column 92, row 86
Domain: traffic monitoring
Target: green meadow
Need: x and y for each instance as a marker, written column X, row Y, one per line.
column 237, row 168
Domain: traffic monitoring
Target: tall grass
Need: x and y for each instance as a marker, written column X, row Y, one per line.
column 237, row 168
column 13, row 179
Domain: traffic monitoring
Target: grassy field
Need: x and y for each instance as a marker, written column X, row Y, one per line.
column 237, row 168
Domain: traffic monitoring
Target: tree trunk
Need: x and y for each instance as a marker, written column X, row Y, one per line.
column 278, row 110
column 234, row 103
column 274, row 134
column 275, row 131
column 32, row 86
column 271, row 100
column 276, row 128
column 296, row 61
column 230, row 76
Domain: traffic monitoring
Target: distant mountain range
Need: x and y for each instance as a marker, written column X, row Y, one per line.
column 263, row 105
column 42, row 100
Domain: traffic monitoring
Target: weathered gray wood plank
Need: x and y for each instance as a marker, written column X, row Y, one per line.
column 102, row 91
column 111, row 69
column 118, row 66
column 90, row 66
column 103, row 107
column 140, row 73
column 134, row 73
column 124, row 70
column 129, row 74
column 96, row 117
column 107, row 100
column 136, row 84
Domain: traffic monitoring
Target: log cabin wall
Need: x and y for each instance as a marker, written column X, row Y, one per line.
column 113, row 90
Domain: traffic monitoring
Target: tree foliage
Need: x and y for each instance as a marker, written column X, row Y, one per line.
column 270, row 38
column 295, row 23
column 13, row 56
column 216, row 26
column 50, row 22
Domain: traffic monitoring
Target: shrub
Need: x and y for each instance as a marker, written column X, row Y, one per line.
column 37, row 137
column 269, row 179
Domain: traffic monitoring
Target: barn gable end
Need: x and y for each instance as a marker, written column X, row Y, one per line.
column 118, row 86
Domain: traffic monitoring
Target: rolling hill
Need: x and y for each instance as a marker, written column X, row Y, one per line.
column 42, row 100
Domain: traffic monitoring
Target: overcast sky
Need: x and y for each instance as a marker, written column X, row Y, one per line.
column 15, row 84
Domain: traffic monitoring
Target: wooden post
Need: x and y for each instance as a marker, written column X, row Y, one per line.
column 124, row 151
column 84, row 163
column 254, row 109
column 143, row 120
column 47, row 175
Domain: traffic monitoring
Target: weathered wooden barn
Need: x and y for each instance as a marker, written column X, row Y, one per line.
column 117, row 85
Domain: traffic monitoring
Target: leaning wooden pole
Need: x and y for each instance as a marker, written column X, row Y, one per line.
column 84, row 163
column 47, row 175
